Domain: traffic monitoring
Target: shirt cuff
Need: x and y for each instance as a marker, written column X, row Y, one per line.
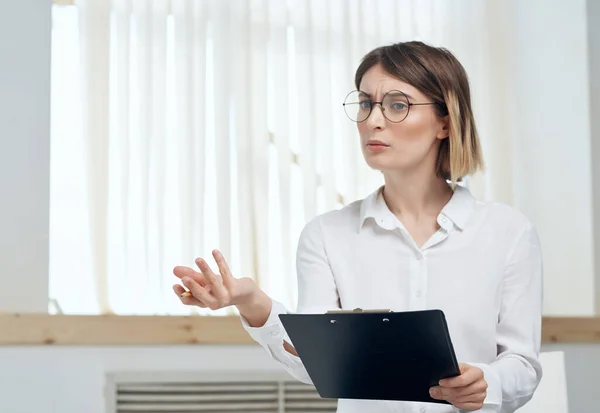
column 272, row 331
column 494, row 390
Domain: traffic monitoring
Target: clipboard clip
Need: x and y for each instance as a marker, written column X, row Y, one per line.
column 359, row 310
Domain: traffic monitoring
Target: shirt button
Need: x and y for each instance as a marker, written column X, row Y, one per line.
column 274, row 333
column 418, row 293
column 419, row 256
column 422, row 410
column 443, row 220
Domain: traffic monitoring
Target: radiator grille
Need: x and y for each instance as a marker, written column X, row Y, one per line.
column 223, row 396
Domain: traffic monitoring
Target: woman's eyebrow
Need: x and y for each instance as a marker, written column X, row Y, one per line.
column 393, row 90
column 400, row 93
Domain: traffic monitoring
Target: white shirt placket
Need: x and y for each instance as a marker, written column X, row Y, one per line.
column 418, row 282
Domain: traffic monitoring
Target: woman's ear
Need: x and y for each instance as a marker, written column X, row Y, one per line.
column 445, row 130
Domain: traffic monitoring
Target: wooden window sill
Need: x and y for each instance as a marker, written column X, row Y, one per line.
column 44, row 329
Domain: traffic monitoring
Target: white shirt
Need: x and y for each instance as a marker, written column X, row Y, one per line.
column 483, row 268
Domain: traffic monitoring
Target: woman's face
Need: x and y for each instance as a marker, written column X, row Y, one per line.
column 399, row 147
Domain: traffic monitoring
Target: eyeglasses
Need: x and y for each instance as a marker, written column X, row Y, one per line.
column 394, row 106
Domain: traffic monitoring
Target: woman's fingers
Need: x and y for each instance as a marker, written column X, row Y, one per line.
column 201, row 294
column 226, row 274
column 179, row 290
column 217, row 288
column 206, row 289
column 470, row 406
column 181, row 272
column 473, row 388
column 187, row 300
column 473, row 398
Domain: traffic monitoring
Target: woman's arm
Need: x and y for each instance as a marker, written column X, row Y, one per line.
column 257, row 312
column 509, row 382
column 257, row 309
column 516, row 373
column 317, row 293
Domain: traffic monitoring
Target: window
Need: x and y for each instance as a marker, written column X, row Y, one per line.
column 122, row 202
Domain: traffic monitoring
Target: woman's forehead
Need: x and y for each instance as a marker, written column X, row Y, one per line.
column 376, row 82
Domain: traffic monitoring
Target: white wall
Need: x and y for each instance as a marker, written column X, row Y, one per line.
column 24, row 154
column 72, row 379
column 593, row 26
column 553, row 168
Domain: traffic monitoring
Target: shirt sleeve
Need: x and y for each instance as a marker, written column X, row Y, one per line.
column 515, row 374
column 317, row 293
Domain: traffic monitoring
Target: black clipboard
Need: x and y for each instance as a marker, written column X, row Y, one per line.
column 374, row 355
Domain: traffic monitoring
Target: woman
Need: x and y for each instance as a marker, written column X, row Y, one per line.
column 418, row 242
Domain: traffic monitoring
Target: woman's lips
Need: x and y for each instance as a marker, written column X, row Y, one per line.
column 376, row 146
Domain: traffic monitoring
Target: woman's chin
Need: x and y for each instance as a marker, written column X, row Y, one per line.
column 381, row 164
column 393, row 167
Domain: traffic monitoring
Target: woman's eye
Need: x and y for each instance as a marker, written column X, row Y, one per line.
column 365, row 105
column 399, row 106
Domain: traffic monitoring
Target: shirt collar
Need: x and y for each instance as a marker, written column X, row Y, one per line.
column 460, row 207
column 374, row 207
column 456, row 212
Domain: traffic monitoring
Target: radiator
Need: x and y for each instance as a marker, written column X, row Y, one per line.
column 211, row 392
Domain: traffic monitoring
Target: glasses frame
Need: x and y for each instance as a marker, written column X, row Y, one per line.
column 373, row 103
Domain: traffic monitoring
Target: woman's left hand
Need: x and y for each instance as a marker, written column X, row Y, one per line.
column 467, row 391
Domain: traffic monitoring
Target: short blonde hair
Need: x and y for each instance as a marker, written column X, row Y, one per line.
column 440, row 76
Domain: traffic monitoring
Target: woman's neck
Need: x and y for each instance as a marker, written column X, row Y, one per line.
column 417, row 196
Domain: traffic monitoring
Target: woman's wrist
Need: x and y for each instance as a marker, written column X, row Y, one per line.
column 256, row 308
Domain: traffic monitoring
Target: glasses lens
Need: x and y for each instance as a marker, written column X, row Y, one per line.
column 395, row 106
column 357, row 106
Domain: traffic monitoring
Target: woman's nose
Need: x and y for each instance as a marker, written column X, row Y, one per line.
column 376, row 119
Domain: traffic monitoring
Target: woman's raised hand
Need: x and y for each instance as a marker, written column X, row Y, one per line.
column 214, row 291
